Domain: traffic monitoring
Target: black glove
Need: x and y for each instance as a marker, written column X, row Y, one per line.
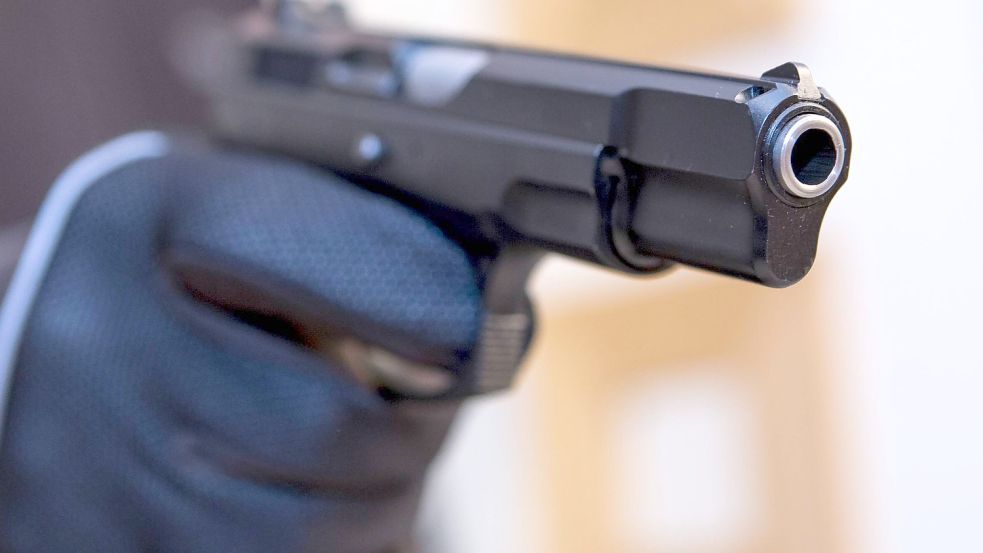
column 183, row 342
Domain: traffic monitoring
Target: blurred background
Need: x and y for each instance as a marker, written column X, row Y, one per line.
column 689, row 413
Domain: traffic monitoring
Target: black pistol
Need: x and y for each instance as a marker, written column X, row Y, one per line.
column 517, row 153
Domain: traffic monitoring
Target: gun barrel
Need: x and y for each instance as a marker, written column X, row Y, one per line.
column 628, row 166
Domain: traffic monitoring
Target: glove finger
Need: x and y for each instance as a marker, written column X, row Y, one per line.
column 327, row 254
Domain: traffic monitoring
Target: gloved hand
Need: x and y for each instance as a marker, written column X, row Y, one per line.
column 181, row 342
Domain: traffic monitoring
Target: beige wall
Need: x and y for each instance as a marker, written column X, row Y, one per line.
column 641, row 30
column 725, row 349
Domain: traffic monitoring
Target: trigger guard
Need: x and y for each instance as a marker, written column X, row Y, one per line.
column 506, row 331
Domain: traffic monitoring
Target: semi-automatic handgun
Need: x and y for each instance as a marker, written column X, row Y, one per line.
column 516, row 153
